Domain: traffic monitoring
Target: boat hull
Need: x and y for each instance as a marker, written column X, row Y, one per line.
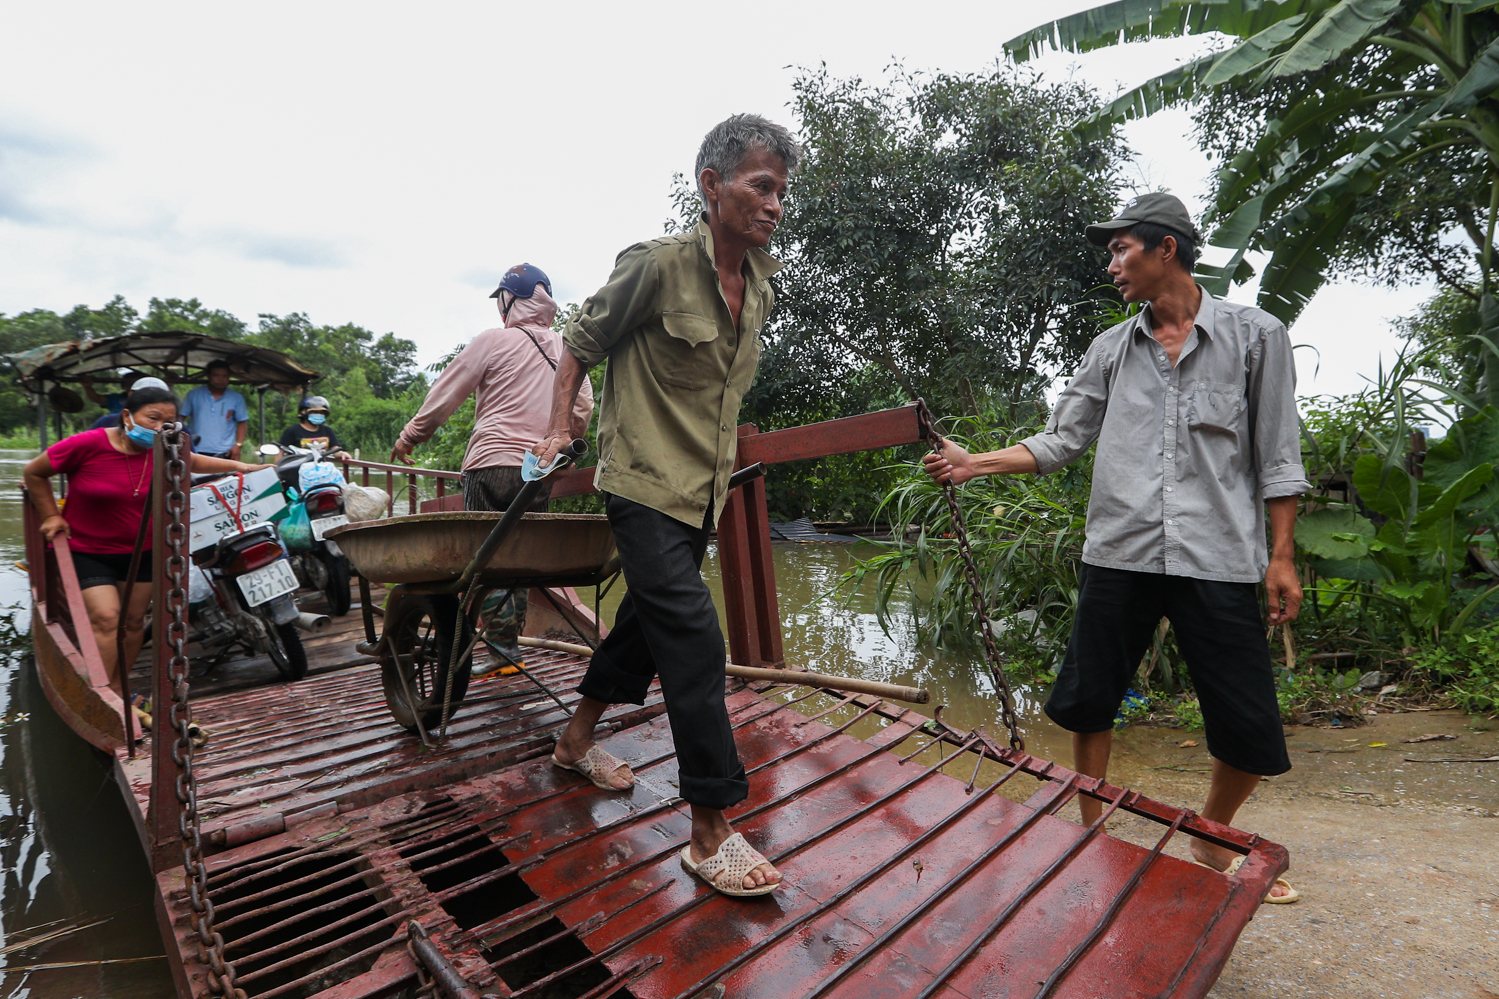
column 95, row 712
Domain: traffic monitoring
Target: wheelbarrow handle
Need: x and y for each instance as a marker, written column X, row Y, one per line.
column 747, row 474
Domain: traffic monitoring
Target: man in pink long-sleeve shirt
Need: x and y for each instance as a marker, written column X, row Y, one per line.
column 509, row 370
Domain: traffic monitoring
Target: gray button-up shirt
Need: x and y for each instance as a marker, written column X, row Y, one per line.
column 1186, row 455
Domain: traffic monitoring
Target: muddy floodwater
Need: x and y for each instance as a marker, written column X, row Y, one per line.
column 1413, row 882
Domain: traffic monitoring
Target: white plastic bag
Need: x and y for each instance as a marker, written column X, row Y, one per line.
column 365, row 502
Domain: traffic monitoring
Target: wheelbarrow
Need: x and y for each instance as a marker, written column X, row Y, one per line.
column 439, row 565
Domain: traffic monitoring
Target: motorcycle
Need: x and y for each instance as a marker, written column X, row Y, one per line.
column 314, row 497
column 241, row 595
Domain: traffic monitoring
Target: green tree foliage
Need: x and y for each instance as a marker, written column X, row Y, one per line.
column 176, row 315
column 1352, row 134
column 1027, row 539
column 115, row 318
column 370, row 382
column 932, row 241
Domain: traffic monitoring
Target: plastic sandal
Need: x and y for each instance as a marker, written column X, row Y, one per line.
column 725, row 870
column 596, row 765
column 1292, row 895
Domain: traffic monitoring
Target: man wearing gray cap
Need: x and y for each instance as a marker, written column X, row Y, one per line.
column 1192, row 402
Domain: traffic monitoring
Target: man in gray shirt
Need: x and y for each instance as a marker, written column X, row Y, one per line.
column 1192, row 403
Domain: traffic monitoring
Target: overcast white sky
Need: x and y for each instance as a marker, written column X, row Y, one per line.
column 383, row 164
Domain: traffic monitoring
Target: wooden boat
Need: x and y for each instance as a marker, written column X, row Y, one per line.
column 67, row 657
column 344, row 860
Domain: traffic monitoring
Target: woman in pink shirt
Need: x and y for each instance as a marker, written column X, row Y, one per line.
column 109, row 490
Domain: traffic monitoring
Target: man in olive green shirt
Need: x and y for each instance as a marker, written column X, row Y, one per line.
column 679, row 323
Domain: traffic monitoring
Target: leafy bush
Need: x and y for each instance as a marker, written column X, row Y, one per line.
column 1464, row 668
column 1188, row 713
column 1026, row 533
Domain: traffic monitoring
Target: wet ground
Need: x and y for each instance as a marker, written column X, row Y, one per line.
column 1395, row 859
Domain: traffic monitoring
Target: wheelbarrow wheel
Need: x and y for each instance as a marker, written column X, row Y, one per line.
column 414, row 657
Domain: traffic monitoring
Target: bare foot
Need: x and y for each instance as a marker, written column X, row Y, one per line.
column 1219, row 859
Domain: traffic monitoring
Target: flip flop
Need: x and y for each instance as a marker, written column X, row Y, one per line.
column 1291, row 895
column 596, row 764
column 735, row 858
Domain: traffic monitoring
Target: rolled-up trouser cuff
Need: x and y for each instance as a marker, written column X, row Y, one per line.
column 713, row 792
column 606, row 682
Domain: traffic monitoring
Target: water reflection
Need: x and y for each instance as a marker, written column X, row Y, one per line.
column 839, row 633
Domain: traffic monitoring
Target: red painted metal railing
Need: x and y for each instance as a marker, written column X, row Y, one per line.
column 751, row 607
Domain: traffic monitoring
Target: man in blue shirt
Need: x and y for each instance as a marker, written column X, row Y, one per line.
column 217, row 415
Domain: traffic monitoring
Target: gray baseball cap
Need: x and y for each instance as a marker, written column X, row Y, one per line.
column 1159, row 207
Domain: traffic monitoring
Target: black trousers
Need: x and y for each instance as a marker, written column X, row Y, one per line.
column 667, row 627
column 1221, row 634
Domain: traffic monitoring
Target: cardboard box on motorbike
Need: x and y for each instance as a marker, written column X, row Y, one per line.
column 256, row 497
column 233, row 504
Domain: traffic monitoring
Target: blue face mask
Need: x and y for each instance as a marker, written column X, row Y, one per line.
column 141, row 436
column 316, row 419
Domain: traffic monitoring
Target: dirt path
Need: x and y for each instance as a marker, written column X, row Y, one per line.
column 1397, row 861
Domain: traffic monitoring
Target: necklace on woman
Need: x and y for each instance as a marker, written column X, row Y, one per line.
column 140, row 482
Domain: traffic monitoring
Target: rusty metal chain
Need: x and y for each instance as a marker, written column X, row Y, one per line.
column 971, row 573
column 221, row 975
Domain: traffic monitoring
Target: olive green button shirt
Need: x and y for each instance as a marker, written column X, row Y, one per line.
column 678, row 370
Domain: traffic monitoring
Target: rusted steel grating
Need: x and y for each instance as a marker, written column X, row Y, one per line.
column 532, row 882
column 292, row 752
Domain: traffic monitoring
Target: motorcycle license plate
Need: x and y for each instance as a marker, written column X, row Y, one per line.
column 268, row 582
column 321, row 527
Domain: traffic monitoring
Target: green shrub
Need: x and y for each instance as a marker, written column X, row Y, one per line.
column 1026, row 533
column 1188, row 713
column 1465, row 668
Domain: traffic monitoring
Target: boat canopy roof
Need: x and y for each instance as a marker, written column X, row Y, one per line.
column 182, row 355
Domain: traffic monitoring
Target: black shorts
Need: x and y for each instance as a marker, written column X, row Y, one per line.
column 1221, row 634
column 106, row 570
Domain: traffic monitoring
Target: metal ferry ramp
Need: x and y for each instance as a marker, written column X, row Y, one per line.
column 902, row 879
column 340, row 859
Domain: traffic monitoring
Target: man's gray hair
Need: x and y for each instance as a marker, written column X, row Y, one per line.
column 730, row 141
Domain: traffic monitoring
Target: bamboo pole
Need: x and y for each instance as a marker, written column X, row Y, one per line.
column 896, row 692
